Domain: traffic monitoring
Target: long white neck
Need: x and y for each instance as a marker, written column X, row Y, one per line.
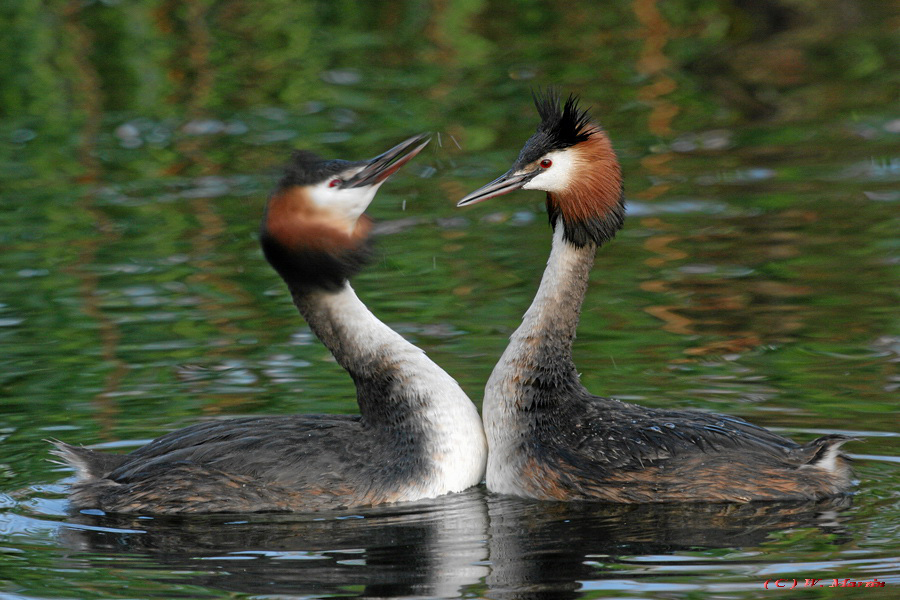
column 536, row 371
column 398, row 386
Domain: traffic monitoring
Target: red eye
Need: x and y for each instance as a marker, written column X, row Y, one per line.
column 545, row 164
column 334, row 183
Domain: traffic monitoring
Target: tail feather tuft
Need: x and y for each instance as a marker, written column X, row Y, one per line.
column 88, row 464
column 828, row 453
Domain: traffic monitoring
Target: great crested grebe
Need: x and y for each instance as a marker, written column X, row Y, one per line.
column 548, row 437
column 417, row 435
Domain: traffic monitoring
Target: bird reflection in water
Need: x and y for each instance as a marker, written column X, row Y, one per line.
column 428, row 548
column 493, row 546
column 547, row 549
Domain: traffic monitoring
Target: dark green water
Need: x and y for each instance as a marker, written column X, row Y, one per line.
column 756, row 275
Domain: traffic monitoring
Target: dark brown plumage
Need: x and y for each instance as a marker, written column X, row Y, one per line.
column 417, row 435
column 552, row 439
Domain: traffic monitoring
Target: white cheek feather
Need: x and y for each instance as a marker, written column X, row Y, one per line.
column 558, row 176
column 347, row 203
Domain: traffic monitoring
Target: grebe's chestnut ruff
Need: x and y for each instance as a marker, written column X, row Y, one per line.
column 548, row 437
column 417, row 435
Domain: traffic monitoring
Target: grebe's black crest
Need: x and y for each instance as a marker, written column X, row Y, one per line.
column 562, row 126
column 307, row 168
